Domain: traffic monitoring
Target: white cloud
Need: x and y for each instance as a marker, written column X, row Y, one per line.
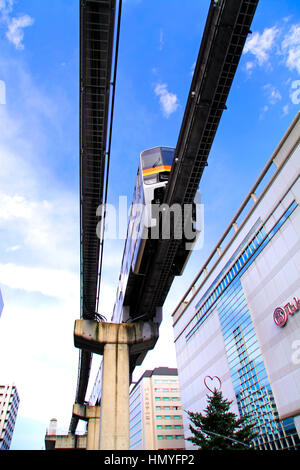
column 291, row 47
column 285, row 43
column 39, row 243
column 168, row 100
column 15, row 33
column 36, row 211
column 250, row 65
column 272, row 93
column 42, row 359
column 43, row 228
column 56, row 283
column 6, row 7
column 264, row 110
column 15, row 206
column 15, row 25
column 2, row 92
column 260, row 45
column 285, row 110
column 13, row 248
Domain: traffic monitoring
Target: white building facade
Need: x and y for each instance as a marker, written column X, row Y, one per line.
column 9, row 404
column 237, row 328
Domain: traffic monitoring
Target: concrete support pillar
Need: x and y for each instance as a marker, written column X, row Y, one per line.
column 91, row 414
column 114, row 430
column 116, row 342
column 93, row 430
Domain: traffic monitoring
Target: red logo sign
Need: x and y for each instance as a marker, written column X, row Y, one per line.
column 280, row 314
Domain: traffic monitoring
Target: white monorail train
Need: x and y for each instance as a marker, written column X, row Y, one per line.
column 152, row 178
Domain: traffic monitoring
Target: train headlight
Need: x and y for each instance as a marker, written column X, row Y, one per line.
column 164, row 176
column 151, row 180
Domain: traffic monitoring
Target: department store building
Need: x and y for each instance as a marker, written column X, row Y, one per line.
column 237, row 329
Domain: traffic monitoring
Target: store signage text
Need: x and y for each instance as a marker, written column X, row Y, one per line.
column 281, row 314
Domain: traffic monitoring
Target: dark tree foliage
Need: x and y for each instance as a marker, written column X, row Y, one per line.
column 218, row 428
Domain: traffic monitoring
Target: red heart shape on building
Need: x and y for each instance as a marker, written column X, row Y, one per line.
column 213, row 380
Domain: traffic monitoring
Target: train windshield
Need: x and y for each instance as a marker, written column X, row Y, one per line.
column 167, row 155
column 156, row 157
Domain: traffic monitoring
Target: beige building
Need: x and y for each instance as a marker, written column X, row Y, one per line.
column 9, row 403
column 155, row 411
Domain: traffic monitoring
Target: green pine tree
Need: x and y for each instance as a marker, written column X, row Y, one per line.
column 218, row 428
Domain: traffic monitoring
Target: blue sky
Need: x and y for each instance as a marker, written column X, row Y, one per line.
column 39, row 157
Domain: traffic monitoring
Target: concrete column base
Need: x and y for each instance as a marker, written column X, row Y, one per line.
column 114, row 419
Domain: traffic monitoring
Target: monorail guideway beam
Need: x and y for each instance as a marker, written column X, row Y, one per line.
column 226, row 30
column 97, row 21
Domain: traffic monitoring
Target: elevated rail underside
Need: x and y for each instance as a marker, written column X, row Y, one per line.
column 97, row 19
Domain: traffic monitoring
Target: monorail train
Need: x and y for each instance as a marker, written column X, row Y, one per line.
column 155, row 165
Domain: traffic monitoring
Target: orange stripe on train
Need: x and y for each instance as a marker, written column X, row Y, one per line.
column 156, row 169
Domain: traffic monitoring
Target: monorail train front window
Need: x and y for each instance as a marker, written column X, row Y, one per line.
column 157, row 156
column 167, row 155
column 157, row 163
column 151, row 158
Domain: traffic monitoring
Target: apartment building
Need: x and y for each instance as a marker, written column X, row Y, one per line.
column 155, row 411
column 9, row 404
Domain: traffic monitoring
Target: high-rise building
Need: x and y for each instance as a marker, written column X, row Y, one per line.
column 237, row 329
column 9, row 404
column 155, row 411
